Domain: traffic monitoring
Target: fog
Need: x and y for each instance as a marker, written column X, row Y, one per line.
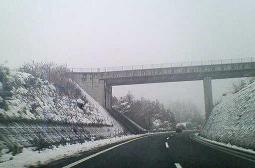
column 171, row 92
column 86, row 33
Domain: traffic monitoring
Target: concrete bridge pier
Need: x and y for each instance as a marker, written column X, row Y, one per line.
column 108, row 96
column 95, row 87
column 208, row 98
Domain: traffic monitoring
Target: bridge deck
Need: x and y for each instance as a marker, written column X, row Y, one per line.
column 165, row 65
column 171, row 74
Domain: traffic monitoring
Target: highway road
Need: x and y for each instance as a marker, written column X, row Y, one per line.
column 170, row 150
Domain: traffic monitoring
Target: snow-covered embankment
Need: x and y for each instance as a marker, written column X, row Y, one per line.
column 232, row 121
column 33, row 112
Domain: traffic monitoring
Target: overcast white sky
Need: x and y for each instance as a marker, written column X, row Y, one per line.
column 86, row 33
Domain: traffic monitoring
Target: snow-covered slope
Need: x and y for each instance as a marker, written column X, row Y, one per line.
column 34, row 113
column 99, row 107
column 233, row 119
column 35, row 99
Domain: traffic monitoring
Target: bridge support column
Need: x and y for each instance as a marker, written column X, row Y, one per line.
column 208, row 96
column 92, row 85
column 108, row 96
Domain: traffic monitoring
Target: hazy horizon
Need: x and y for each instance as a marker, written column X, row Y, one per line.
column 117, row 32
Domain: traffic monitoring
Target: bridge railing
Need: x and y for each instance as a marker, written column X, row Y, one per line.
column 165, row 65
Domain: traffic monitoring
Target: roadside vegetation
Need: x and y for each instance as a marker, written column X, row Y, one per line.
column 240, row 84
column 58, row 75
column 151, row 114
column 187, row 112
column 41, row 106
column 237, row 86
column 5, row 87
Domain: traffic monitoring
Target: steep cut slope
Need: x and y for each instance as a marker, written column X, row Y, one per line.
column 233, row 119
column 34, row 113
column 35, row 99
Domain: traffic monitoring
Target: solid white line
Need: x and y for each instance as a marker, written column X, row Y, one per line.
column 98, row 153
column 178, row 165
column 167, row 146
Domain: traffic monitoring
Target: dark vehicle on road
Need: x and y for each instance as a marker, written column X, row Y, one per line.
column 178, row 129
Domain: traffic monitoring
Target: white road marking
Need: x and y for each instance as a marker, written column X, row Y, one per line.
column 178, row 165
column 98, row 153
column 167, row 138
column 167, row 146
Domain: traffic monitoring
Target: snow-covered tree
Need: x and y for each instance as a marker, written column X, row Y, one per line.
column 147, row 113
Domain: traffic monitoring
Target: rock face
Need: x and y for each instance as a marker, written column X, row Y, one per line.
column 233, row 119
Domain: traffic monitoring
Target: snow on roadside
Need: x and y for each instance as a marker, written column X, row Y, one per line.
column 227, row 145
column 29, row 157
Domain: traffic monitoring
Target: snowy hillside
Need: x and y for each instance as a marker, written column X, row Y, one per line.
column 34, row 113
column 233, row 119
column 35, row 99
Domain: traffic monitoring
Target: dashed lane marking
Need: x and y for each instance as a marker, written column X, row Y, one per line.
column 167, row 146
column 167, row 138
column 178, row 165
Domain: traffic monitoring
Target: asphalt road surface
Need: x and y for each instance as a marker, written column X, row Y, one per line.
column 171, row 150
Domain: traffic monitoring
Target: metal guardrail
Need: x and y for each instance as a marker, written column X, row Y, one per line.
column 235, row 152
column 165, row 65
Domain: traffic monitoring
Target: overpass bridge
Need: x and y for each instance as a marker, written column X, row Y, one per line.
column 98, row 82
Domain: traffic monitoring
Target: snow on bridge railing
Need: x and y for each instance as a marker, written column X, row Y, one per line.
column 165, row 65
